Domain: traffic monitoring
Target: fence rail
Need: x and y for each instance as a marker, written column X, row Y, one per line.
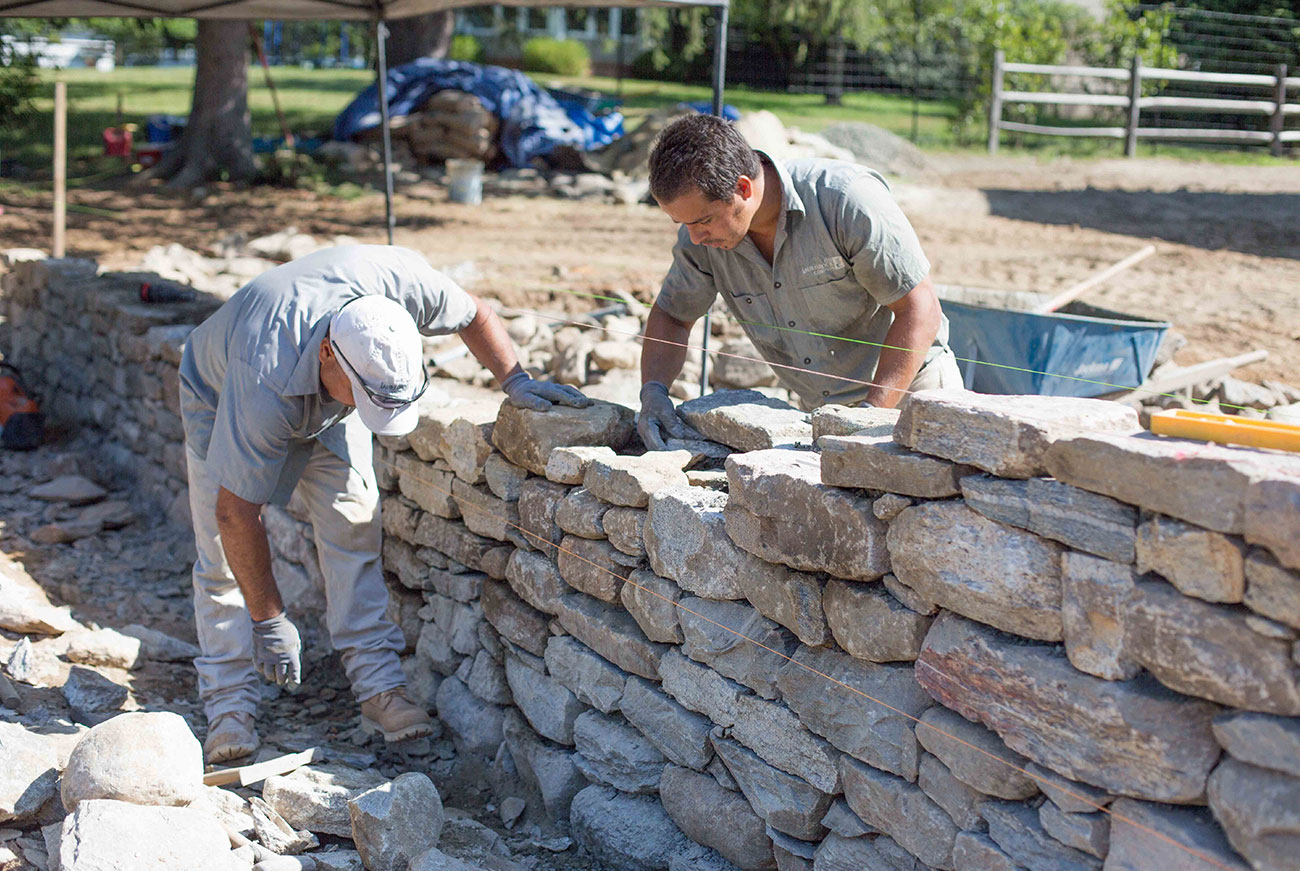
column 1276, row 106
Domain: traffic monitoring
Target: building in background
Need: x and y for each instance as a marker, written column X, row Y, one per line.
column 63, row 52
column 611, row 35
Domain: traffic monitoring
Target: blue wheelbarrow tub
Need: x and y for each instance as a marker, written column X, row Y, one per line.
column 1080, row 350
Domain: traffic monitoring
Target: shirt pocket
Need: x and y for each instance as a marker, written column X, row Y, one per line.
column 835, row 303
column 755, row 313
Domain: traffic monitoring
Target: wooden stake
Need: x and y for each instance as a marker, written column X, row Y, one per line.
column 247, row 775
column 60, row 168
column 1078, row 290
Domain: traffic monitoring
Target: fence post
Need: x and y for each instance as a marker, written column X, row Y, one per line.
column 1278, row 121
column 835, row 82
column 59, row 241
column 995, row 101
column 1134, row 107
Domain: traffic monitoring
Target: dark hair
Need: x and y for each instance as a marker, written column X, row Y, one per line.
column 703, row 152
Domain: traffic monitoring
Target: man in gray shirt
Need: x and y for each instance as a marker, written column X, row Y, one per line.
column 813, row 258
column 268, row 384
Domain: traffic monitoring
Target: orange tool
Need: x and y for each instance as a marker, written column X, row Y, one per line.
column 1226, row 429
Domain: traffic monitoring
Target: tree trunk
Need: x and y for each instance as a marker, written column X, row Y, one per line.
column 218, row 137
column 420, row 36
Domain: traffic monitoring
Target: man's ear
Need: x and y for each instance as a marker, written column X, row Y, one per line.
column 326, row 352
column 744, row 187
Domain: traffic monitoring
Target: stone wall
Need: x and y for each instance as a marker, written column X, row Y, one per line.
column 990, row 633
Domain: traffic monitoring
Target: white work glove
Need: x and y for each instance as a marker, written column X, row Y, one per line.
column 659, row 419
column 277, row 651
column 524, row 391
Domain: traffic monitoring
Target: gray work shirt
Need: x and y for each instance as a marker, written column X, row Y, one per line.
column 251, row 396
column 844, row 250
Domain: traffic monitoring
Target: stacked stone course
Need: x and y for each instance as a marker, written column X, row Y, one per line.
column 974, row 626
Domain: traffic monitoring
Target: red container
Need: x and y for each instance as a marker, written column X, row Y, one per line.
column 117, row 142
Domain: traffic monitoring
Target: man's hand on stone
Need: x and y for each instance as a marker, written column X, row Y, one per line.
column 277, row 651
column 659, row 419
column 525, row 391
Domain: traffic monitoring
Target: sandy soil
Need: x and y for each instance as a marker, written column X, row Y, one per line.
column 1227, row 269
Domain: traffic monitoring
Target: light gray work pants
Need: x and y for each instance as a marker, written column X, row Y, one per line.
column 343, row 506
column 938, row 372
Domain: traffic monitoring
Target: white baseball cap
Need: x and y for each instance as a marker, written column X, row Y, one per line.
column 379, row 348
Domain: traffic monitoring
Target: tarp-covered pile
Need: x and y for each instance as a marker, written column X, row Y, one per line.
column 533, row 122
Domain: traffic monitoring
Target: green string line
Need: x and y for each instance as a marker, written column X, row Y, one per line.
column 1023, row 369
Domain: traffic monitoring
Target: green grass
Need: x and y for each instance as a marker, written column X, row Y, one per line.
column 312, row 98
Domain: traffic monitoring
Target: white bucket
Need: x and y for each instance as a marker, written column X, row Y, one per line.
column 465, row 180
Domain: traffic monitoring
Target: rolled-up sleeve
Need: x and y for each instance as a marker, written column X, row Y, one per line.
column 877, row 239
column 250, row 435
column 440, row 306
column 689, row 288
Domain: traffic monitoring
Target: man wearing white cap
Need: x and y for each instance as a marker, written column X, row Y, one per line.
column 267, row 384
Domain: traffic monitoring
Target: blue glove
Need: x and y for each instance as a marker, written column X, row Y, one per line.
column 524, row 391
column 659, row 419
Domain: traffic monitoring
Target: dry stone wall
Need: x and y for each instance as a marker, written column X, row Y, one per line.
column 988, row 634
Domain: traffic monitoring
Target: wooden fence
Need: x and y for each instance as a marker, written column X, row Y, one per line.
column 1273, row 104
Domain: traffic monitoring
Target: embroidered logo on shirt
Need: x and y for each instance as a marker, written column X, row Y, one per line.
column 827, row 265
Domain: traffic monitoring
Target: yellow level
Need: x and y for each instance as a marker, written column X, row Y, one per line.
column 1227, row 429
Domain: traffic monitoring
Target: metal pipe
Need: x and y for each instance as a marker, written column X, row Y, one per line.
column 381, row 82
column 719, row 82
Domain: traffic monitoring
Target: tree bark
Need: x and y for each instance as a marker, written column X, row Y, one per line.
column 218, row 137
column 420, row 36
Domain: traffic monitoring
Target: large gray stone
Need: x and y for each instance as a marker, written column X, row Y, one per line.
column 483, row 513
column 716, row 818
column 1005, row 435
column 838, row 853
column 596, row 568
column 396, row 822
column 630, row 481
column 793, row 599
column 453, row 539
column 427, row 437
column 1068, row 795
column 865, row 709
column 515, row 619
column 1207, row 565
column 841, row 820
column 528, row 437
column 844, row 420
column 625, row 528
column 780, row 511
column 871, row 624
column 997, row 574
column 582, row 513
column 680, row 734
column 427, row 484
column 504, row 478
column 785, row 802
column 880, row 463
column 1144, row 835
column 686, row 541
column 30, row 774
column 652, row 602
column 436, row 860
column 588, row 675
column 475, row 723
column 1201, row 483
column 772, row 731
column 569, row 465
column 1271, row 588
column 959, row 801
column 316, row 798
column 92, row 697
column 614, row 753
column 1261, row 739
column 975, row 755
column 624, row 832
column 900, row 810
column 1210, row 651
column 156, row 837
column 611, row 632
column 736, row 641
column 975, row 851
column 539, row 499
column 1085, row 521
column 1272, row 506
column 747, row 420
column 700, row 688
column 1096, row 600
column 549, row 708
column 144, row 758
column 1135, row 738
column 1015, row 828
column 1259, row 810
column 536, row 580
column 1089, row 833
column 543, row 766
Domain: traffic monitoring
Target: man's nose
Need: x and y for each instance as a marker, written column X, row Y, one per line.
column 697, row 235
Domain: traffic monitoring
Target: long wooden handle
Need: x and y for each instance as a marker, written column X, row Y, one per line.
column 1078, row 290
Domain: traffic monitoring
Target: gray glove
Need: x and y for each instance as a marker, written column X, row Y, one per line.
column 524, row 391
column 277, row 651
column 659, row 419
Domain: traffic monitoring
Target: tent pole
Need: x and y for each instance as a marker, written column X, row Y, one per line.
column 381, row 82
column 719, row 77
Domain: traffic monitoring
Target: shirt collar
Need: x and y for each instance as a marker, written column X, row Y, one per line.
column 789, row 196
column 305, row 380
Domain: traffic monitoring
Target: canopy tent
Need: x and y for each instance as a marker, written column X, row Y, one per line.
column 379, row 11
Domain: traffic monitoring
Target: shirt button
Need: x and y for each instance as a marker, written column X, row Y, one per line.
column 792, row 323
column 826, row 393
column 749, row 300
column 778, row 284
column 807, row 361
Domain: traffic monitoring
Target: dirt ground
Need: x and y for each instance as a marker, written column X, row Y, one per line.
column 1226, row 272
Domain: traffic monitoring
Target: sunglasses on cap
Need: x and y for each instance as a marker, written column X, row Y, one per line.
column 382, row 400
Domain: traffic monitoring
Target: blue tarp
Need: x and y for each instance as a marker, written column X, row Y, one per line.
column 533, row 123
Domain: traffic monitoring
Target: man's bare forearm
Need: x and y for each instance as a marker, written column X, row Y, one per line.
column 917, row 318
column 243, row 537
column 662, row 361
column 488, row 341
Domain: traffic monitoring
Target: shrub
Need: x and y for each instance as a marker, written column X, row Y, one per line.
column 465, row 47
column 559, row 57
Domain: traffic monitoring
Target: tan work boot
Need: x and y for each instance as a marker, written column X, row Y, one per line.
column 229, row 737
column 396, row 716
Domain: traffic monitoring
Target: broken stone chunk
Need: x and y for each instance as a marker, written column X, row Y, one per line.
column 528, row 437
